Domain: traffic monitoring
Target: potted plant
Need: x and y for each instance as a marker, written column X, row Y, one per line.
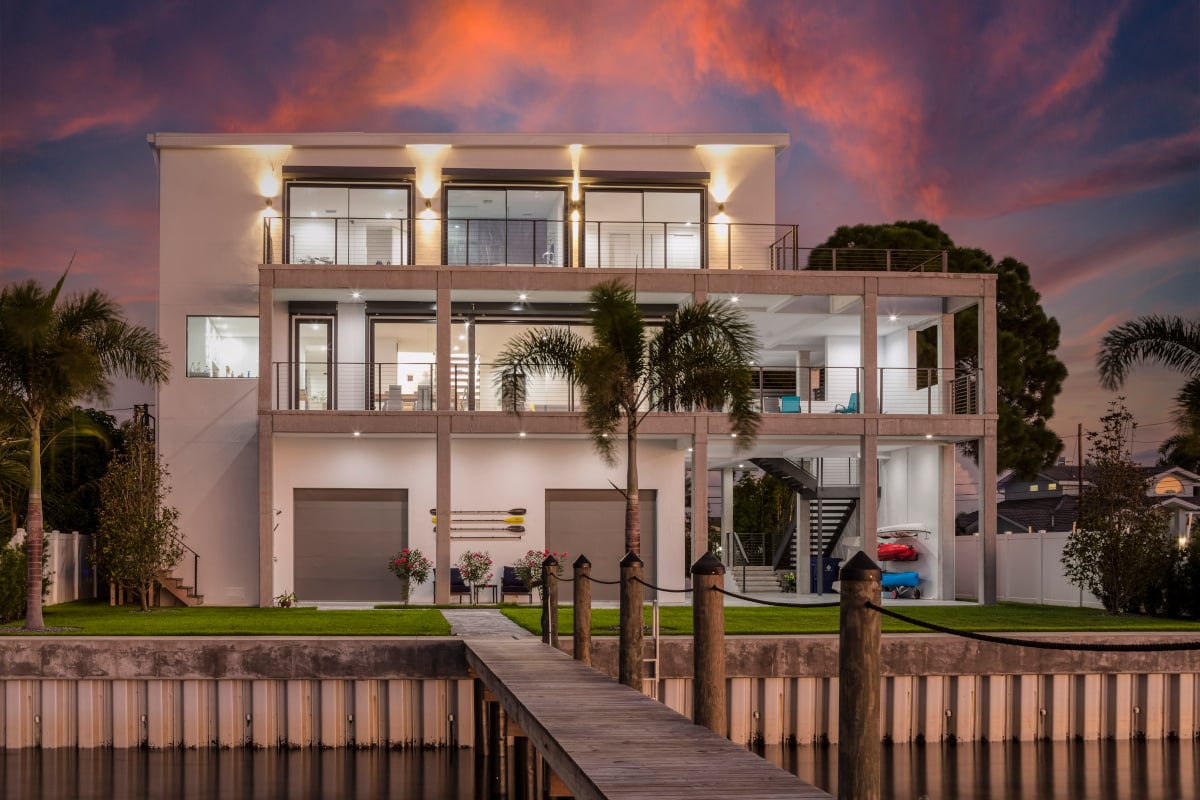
column 529, row 567
column 476, row 570
column 412, row 568
column 286, row 600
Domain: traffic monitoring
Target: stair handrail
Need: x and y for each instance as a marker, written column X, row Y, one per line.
column 195, row 564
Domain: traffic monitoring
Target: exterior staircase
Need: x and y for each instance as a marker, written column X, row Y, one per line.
column 175, row 587
column 758, row 580
column 830, row 516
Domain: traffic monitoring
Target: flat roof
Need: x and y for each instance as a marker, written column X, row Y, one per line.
column 159, row 141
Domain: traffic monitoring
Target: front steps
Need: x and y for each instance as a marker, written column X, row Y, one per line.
column 176, row 589
column 758, row 580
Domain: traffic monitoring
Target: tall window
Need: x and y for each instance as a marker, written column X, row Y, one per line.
column 635, row 228
column 505, row 226
column 330, row 224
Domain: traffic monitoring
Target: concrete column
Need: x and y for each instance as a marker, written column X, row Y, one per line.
column 699, row 490
column 442, row 404
column 987, row 515
column 868, row 481
column 726, row 513
column 267, row 518
column 868, row 396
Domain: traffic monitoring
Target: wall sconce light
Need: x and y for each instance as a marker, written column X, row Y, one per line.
column 428, row 203
column 269, row 201
column 720, row 208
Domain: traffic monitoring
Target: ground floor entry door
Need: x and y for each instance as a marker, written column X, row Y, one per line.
column 343, row 539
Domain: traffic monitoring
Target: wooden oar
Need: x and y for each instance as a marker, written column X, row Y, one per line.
column 508, row 520
column 516, row 511
column 508, row 528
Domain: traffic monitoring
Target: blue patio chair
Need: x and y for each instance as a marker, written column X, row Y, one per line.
column 849, row 408
column 511, row 583
column 789, row 404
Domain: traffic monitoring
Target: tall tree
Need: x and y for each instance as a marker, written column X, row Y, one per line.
column 138, row 537
column 1122, row 545
column 1172, row 342
column 699, row 359
column 1029, row 374
column 55, row 351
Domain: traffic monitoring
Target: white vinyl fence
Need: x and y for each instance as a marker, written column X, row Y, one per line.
column 1028, row 570
column 68, row 564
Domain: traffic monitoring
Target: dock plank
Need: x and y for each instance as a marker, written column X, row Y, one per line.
column 605, row 740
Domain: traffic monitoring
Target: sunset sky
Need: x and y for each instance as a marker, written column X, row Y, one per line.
column 1066, row 135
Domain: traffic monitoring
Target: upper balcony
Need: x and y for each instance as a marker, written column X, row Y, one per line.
column 365, row 241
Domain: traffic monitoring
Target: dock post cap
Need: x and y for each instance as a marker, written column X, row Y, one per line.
column 581, row 562
column 550, row 561
column 708, row 564
column 860, row 567
column 630, row 559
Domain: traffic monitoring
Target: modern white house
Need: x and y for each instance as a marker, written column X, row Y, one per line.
column 333, row 304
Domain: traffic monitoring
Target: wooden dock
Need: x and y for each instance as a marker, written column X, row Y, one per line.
column 605, row 740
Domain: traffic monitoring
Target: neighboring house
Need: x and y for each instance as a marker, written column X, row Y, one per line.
column 333, row 304
column 1050, row 502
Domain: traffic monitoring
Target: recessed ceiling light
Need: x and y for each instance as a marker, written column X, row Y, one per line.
column 522, row 296
column 733, row 299
column 358, row 433
column 521, row 434
column 356, row 295
column 689, row 449
column 741, row 466
column 891, row 317
column 929, row 436
column 733, row 436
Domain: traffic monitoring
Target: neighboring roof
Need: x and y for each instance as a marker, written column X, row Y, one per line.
column 1069, row 473
column 1039, row 514
column 779, row 141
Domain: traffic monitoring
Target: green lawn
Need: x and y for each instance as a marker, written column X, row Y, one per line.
column 1010, row 617
column 100, row 619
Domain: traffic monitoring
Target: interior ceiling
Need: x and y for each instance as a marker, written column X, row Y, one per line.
column 786, row 324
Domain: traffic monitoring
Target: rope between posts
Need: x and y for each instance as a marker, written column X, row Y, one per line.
column 1102, row 647
column 775, row 602
column 659, row 588
column 606, row 583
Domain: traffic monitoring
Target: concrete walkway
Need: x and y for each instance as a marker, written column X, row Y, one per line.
column 483, row 622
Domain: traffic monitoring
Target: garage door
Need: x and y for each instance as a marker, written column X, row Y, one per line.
column 592, row 522
column 343, row 539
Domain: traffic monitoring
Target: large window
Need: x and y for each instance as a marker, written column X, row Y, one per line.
column 331, row 224
column 222, row 347
column 500, row 226
column 635, row 228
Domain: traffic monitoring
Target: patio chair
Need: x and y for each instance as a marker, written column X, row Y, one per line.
column 789, row 404
column 458, row 587
column 849, row 408
column 510, row 583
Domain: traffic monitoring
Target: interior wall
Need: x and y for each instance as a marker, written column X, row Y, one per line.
column 911, row 482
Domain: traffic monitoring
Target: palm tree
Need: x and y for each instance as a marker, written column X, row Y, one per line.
column 698, row 360
column 52, row 354
column 1171, row 342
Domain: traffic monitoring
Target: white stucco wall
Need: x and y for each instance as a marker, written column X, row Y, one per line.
column 486, row 473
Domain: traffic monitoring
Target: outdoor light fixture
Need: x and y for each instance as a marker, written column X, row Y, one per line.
column 720, row 208
column 521, row 434
column 929, row 436
column 269, row 202
column 428, row 203
column 891, row 317
column 356, row 295
column 733, row 299
column 358, row 433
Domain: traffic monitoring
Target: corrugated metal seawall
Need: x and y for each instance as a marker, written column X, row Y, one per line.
column 365, row 692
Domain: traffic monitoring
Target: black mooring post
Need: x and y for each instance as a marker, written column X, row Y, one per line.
column 582, row 616
column 708, row 649
column 632, row 622
column 859, row 676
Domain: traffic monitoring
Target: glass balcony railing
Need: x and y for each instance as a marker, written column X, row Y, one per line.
column 344, row 241
column 387, row 386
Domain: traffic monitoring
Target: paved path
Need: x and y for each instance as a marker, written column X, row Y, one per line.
column 483, row 622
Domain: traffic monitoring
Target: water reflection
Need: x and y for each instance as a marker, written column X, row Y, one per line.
column 1101, row 770
column 1092, row 770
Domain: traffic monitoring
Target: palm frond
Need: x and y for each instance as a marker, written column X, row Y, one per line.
column 549, row 352
column 617, row 324
column 1168, row 341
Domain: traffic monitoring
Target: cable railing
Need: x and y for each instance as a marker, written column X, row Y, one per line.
column 412, row 386
column 397, row 242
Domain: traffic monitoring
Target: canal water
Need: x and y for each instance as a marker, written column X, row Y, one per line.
column 1075, row 770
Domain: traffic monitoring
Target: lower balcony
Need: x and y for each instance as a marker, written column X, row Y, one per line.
column 412, row 387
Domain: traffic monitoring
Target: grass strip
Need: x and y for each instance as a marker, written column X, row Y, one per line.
column 89, row 618
column 1004, row 617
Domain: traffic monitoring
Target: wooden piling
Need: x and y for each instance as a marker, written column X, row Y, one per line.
column 550, row 601
column 582, row 617
column 708, row 649
column 632, row 624
column 859, row 678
